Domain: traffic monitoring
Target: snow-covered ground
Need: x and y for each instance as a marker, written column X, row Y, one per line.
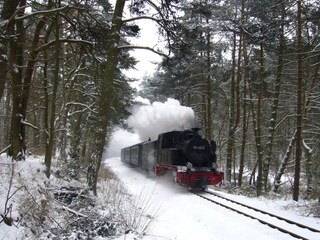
column 158, row 209
column 179, row 215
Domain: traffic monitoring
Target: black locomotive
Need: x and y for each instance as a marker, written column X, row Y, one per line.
column 191, row 158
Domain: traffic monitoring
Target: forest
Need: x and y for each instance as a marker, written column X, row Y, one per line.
column 249, row 69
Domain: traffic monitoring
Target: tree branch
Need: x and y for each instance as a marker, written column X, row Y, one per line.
column 74, row 212
column 141, row 18
column 29, row 124
column 63, row 40
column 44, row 12
column 82, row 105
column 5, row 149
column 145, row 48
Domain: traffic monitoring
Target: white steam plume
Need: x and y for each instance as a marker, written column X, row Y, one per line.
column 121, row 138
column 150, row 120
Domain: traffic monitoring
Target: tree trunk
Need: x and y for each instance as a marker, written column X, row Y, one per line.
column 8, row 9
column 208, row 132
column 309, row 166
column 244, row 104
column 232, row 126
column 283, row 164
column 237, row 93
column 275, row 104
column 46, row 99
column 105, row 97
column 296, row 184
column 209, row 91
column 259, row 124
column 52, row 117
column 21, row 83
column 16, row 60
column 7, row 113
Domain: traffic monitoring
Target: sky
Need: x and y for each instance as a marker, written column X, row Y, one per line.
column 149, row 38
column 147, row 60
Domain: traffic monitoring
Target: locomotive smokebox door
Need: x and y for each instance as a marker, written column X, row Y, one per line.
column 197, row 151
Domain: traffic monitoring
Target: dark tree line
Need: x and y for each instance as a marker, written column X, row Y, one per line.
column 62, row 86
column 250, row 69
column 56, row 95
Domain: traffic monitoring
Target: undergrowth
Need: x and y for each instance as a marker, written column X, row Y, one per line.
column 56, row 208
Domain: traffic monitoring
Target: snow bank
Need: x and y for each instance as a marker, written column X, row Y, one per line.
column 35, row 207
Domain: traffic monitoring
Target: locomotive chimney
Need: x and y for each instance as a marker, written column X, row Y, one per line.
column 196, row 131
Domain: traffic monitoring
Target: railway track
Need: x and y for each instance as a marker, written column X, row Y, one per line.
column 284, row 225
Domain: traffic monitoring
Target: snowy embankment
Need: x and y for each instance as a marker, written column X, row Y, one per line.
column 154, row 209
column 61, row 208
column 179, row 215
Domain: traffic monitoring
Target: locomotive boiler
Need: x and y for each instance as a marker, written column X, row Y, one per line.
column 190, row 158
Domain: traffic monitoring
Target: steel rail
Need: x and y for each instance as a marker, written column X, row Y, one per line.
column 251, row 216
column 267, row 213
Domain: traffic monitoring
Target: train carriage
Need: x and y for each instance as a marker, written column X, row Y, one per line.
column 132, row 155
column 125, row 155
column 149, row 156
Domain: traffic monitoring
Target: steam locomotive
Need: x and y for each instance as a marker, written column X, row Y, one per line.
column 190, row 158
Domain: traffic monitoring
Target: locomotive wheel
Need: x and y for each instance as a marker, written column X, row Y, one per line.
column 204, row 188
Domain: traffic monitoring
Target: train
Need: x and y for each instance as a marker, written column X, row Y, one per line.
column 186, row 154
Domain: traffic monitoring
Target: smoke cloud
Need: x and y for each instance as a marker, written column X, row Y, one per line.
column 149, row 120
column 152, row 119
column 121, row 138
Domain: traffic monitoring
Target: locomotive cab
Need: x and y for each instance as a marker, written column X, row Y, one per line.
column 168, row 152
column 186, row 148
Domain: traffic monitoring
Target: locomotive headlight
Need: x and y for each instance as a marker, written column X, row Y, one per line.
column 189, row 165
column 214, row 165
